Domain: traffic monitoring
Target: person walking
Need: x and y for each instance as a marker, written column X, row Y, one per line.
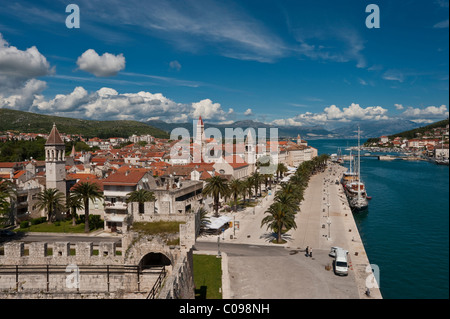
column 310, row 252
column 307, row 251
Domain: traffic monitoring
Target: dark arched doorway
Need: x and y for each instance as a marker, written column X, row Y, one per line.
column 153, row 260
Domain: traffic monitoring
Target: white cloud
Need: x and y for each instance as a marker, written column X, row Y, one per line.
column 430, row 112
column 101, row 66
column 22, row 64
column 332, row 113
column 314, row 44
column 394, row 75
column 63, row 102
column 107, row 103
column 209, row 110
column 441, row 25
column 175, row 65
column 399, row 106
column 23, row 97
column 248, row 112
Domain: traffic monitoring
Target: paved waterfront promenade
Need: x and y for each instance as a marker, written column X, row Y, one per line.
column 252, row 274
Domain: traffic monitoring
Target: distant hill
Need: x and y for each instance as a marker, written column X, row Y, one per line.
column 374, row 129
column 283, row 131
column 38, row 123
column 413, row 133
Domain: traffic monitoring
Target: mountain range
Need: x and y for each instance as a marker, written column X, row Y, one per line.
column 28, row 122
column 368, row 128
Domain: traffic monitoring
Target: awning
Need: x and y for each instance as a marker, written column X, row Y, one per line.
column 217, row 222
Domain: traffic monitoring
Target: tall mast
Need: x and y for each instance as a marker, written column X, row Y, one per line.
column 359, row 166
column 351, row 172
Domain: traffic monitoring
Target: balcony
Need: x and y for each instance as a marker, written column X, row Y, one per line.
column 116, row 205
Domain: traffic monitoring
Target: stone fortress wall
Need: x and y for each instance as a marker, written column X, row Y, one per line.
column 72, row 270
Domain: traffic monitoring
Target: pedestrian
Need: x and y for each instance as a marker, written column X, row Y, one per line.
column 307, row 251
column 310, row 252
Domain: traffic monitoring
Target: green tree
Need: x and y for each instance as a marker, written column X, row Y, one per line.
column 74, row 203
column 141, row 196
column 52, row 201
column 235, row 189
column 216, row 187
column 280, row 218
column 8, row 195
column 204, row 219
column 257, row 179
column 88, row 192
column 281, row 169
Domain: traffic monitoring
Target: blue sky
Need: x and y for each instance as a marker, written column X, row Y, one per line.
column 280, row 62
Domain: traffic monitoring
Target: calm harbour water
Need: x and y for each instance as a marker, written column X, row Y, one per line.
column 406, row 229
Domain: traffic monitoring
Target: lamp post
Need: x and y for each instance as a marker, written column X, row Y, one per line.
column 329, row 223
column 218, row 247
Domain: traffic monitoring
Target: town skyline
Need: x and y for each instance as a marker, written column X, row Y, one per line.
column 227, row 62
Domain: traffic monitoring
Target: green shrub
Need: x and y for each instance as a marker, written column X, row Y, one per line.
column 39, row 220
column 95, row 222
column 24, row 224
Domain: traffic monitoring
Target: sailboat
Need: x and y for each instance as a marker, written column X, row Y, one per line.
column 356, row 190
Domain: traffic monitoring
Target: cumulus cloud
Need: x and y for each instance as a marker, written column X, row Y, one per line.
column 22, row 64
column 209, row 110
column 101, row 66
column 399, row 106
column 23, row 97
column 248, row 112
column 62, row 102
column 428, row 113
column 332, row 113
column 107, row 103
column 18, row 72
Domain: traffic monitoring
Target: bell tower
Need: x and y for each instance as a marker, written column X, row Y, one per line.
column 55, row 161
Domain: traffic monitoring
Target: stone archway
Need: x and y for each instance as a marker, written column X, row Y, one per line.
column 154, row 259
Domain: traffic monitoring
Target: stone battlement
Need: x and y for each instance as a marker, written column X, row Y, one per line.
column 60, row 253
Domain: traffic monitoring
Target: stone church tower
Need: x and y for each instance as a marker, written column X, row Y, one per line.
column 250, row 152
column 55, row 161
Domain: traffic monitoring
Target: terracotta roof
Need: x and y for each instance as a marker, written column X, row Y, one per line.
column 125, row 177
column 54, row 138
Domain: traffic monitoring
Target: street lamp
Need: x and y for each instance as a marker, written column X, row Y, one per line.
column 329, row 223
column 328, row 205
column 218, row 247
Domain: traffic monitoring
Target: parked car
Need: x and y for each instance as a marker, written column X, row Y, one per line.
column 340, row 260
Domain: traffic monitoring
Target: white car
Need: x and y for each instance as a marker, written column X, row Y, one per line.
column 340, row 260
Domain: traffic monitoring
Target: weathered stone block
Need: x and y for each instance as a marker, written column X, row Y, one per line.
column 61, row 249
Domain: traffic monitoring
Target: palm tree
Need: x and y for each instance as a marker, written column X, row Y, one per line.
column 249, row 186
column 204, row 219
column 257, row 180
column 289, row 201
column 87, row 191
column 216, row 187
column 281, row 169
column 74, row 203
column 8, row 195
column 279, row 218
column 141, row 196
column 235, row 189
column 51, row 200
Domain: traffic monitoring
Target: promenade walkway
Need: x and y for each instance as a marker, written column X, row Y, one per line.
column 318, row 226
